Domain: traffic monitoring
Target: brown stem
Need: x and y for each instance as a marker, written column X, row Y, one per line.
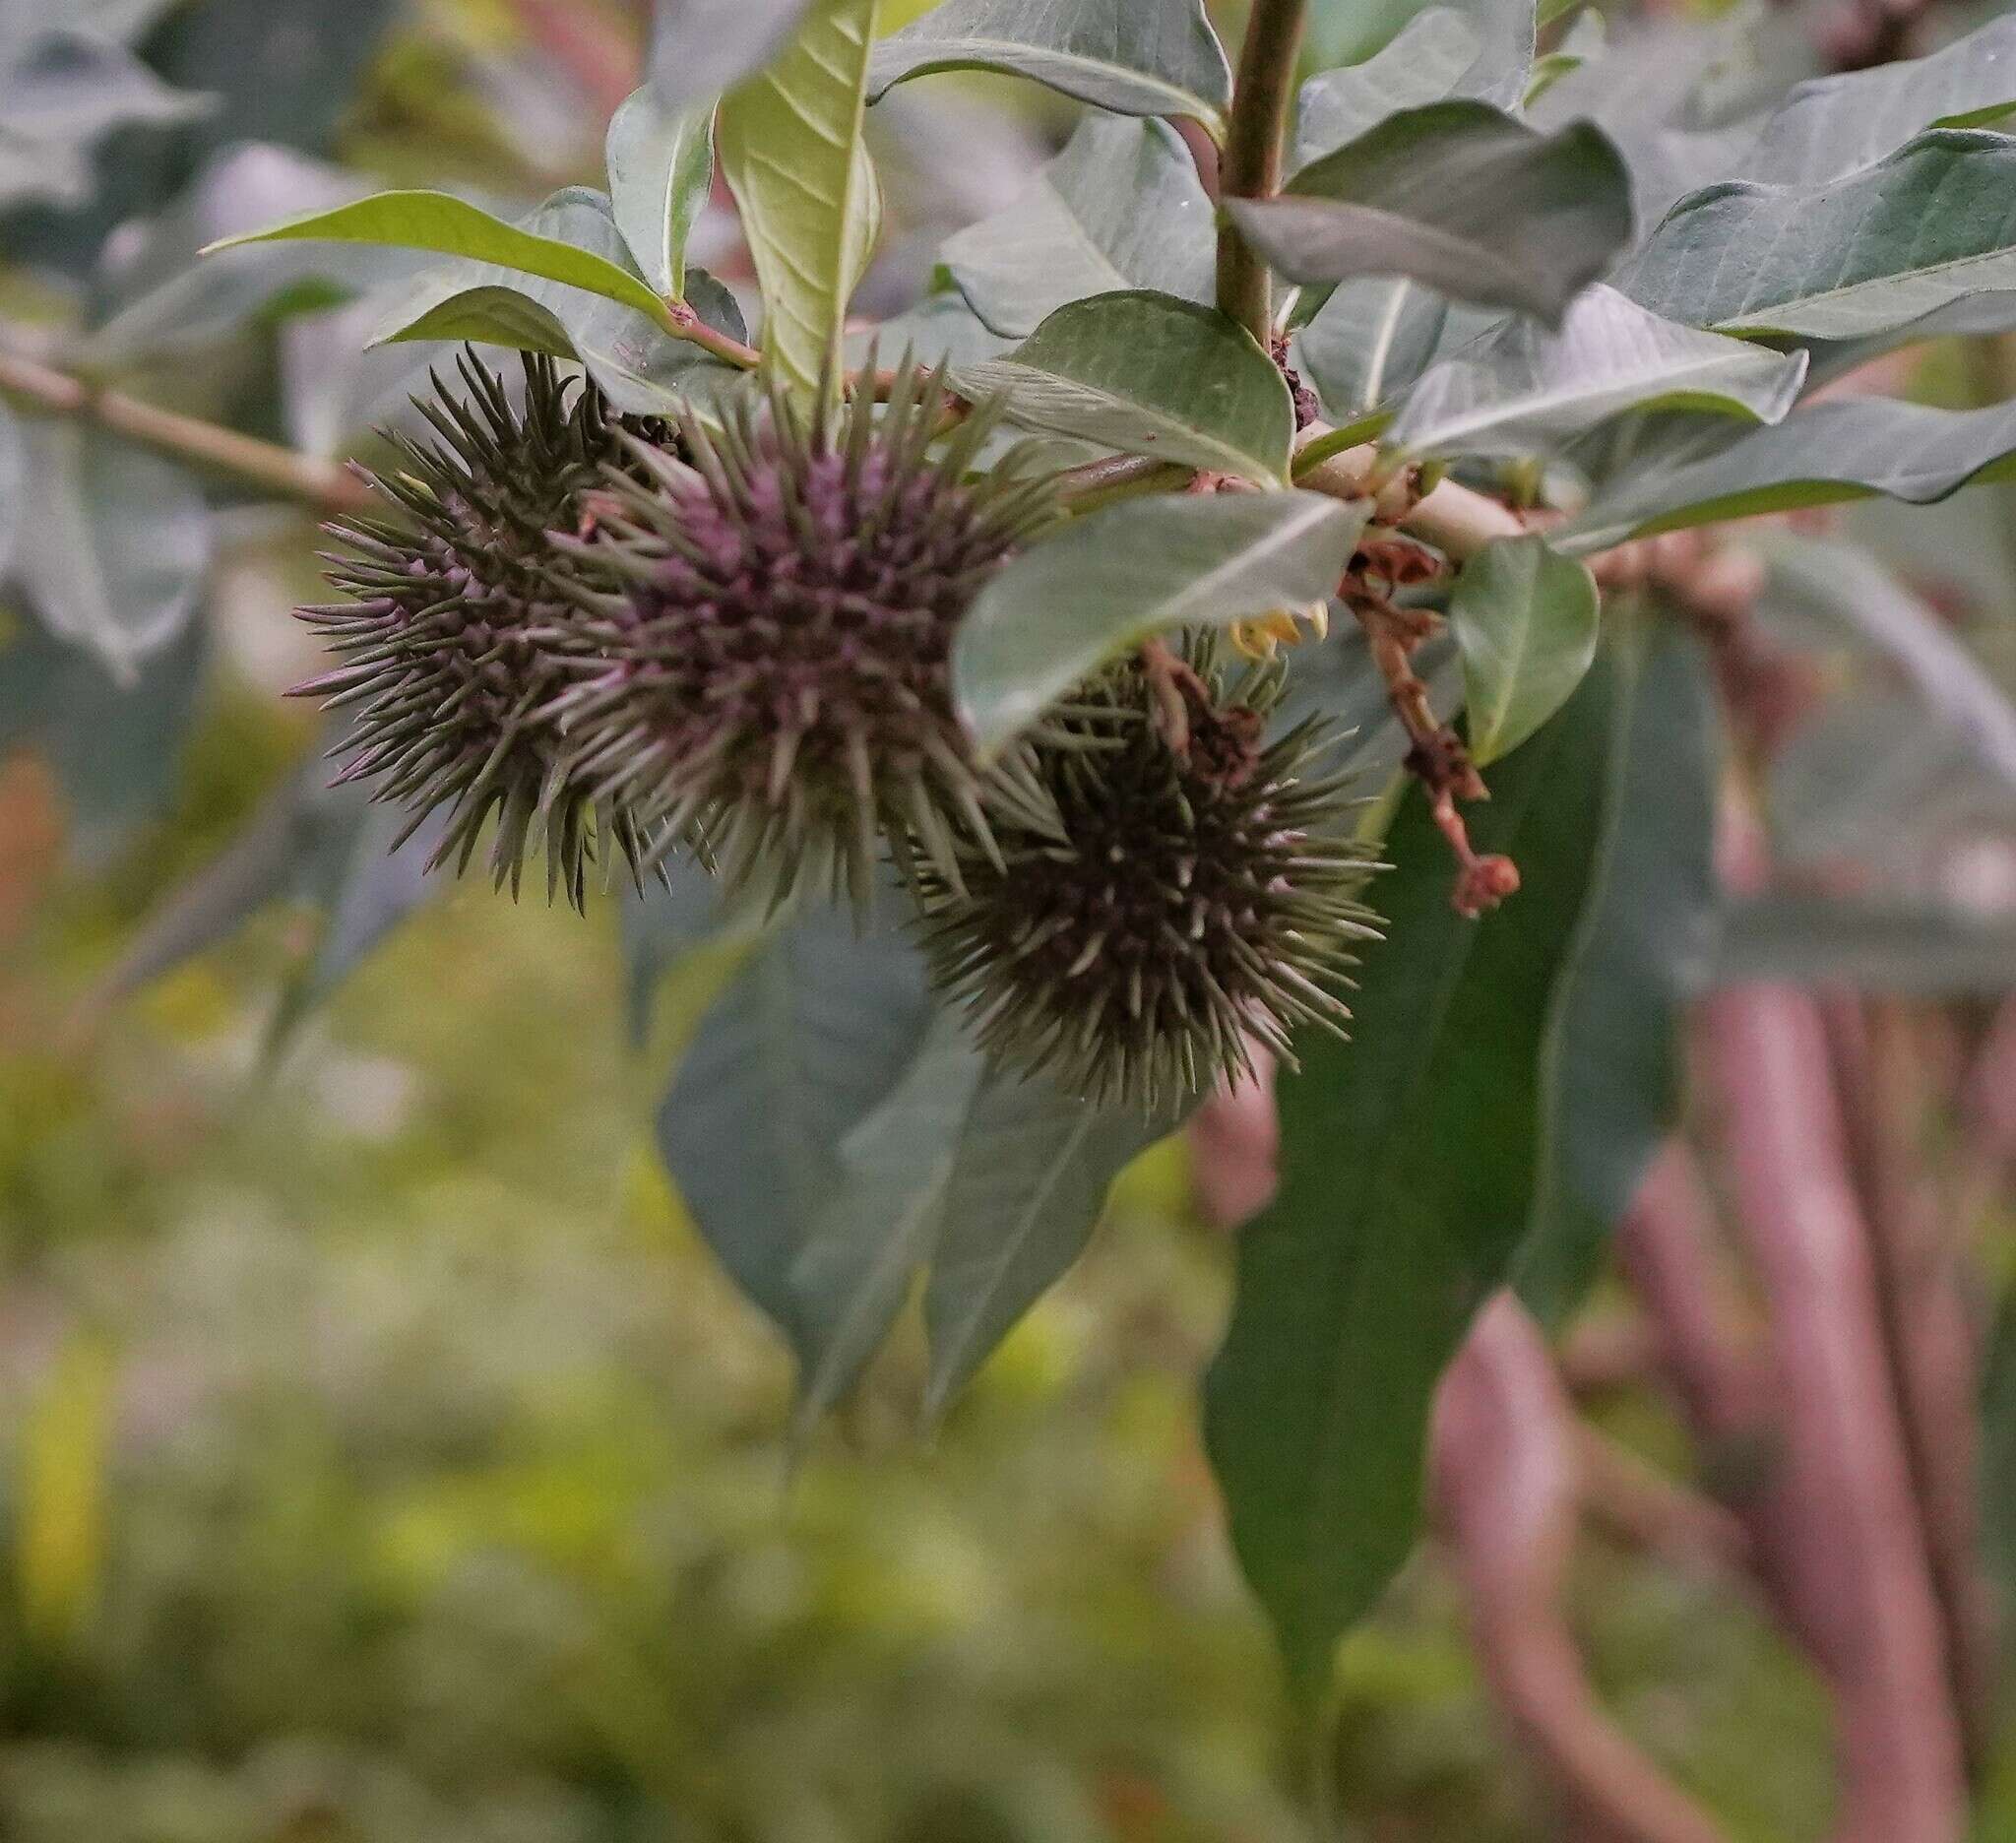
column 1928, row 1335
column 1504, row 1473
column 1251, row 165
column 325, row 486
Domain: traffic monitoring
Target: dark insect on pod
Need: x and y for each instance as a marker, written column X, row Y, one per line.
column 445, row 651
column 1203, row 896
column 766, row 624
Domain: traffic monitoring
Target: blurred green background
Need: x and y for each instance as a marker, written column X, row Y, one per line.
column 383, row 1460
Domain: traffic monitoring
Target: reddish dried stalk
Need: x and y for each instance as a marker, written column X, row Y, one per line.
column 1506, row 1483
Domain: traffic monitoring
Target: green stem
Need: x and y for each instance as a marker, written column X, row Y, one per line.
column 1251, row 165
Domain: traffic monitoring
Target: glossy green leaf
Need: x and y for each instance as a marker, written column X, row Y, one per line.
column 1115, row 577
column 1424, row 63
column 790, row 140
column 701, row 47
column 1459, row 196
column 1149, row 375
column 1525, row 619
column 1832, row 125
column 1409, row 1159
column 1528, row 390
column 1932, row 224
column 114, row 544
column 1121, row 207
column 452, row 227
column 1917, row 948
column 879, row 1224
column 1031, row 1174
column 814, row 1031
column 1648, row 936
column 660, row 165
column 641, row 366
column 1135, row 57
column 1682, row 469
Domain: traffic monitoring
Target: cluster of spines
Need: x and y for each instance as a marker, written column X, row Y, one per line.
column 1202, row 896
column 761, row 656
column 445, row 646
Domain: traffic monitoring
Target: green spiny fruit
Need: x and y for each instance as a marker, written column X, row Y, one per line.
column 446, row 665
column 1203, row 895
column 762, row 654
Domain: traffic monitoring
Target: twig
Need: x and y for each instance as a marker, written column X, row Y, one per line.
column 325, row 486
column 1250, row 167
column 688, row 325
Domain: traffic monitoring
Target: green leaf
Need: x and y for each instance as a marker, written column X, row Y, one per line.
column 1369, row 342
column 1843, row 586
column 643, row 368
column 1424, row 63
column 1459, row 196
column 1917, row 948
column 1682, row 469
column 1031, row 1174
column 113, row 544
column 661, row 166
column 1527, row 620
column 1647, row 940
column 1410, row 1158
column 1582, row 41
column 1528, row 390
column 880, row 1222
column 814, row 1031
column 701, row 47
column 452, row 227
column 1151, row 375
column 1115, row 577
column 1932, row 224
column 791, row 149
column 670, row 918
column 1121, row 207
column 1832, row 125
column 1135, row 57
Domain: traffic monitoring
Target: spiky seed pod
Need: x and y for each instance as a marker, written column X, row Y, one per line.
column 445, row 658
column 1204, row 893
column 763, row 661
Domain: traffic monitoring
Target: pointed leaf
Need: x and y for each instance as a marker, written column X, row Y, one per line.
column 877, row 1228
column 1121, row 207
column 1424, row 63
column 1832, row 125
column 661, row 166
column 1031, row 1175
column 790, row 140
column 1648, row 940
column 113, row 545
column 643, row 368
column 1525, row 619
column 811, row 1035
column 452, row 227
column 1408, row 1163
column 1112, row 579
column 1932, row 224
column 1135, row 57
column 1149, row 375
column 1530, row 390
column 1682, row 469
column 1459, row 196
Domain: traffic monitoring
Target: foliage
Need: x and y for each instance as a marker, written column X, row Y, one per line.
column 1517, row 367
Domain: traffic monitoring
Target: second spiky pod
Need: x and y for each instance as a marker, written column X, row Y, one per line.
column 761, row 661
